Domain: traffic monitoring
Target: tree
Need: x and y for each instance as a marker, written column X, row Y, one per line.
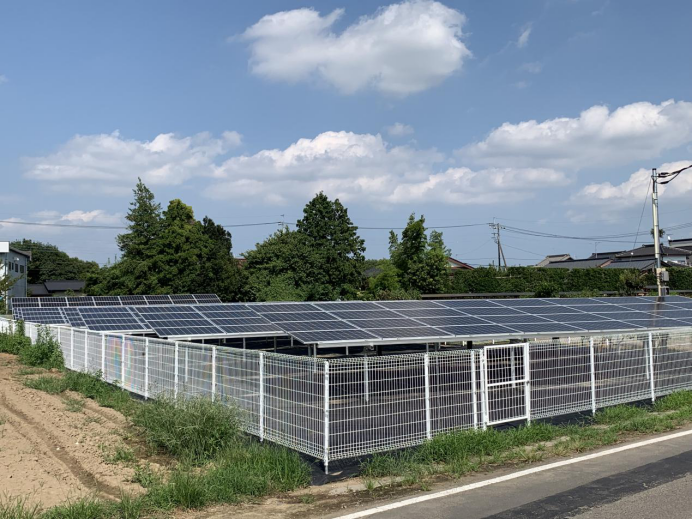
column 338, row 251
column 421, row 262
column 219, row 272
column 145, row 225
column 48, row 262
column 6, row 283
column 661, row 233
column 279, row 269
column 631, row 282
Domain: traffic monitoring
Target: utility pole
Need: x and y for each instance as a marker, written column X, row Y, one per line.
column 655, row 225
column 660, row 273
column 496, row 238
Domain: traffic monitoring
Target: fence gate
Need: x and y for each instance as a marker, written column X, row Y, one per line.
column 505, row 383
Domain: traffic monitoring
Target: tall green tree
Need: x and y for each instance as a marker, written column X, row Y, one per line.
column 219, row 270
column 421, row 261
column 48, row 262
column 145, row 225
column 338, row 250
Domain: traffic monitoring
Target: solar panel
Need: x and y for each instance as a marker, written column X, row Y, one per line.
column 525, row 302
column 624, row 315
column 597, row 326
column 17, row 313
column 409, row 333
column 107, row 301
column 227, row 314
column 79, row 301
column 183, row 299
column 621, row 300
column 389, row 323
column 529, row 328
column 677, row 314
column 52, row 302
column 281, row 317
column 44, row 316
column 133, row 299
column 282, row 307
column 453, row 321
column 158, row 299
column 363, row 315
column 292, row 326
column 347, row 306
column 416, row 304
column 74, row 317
column 573, row 317
column 518, row 318
column 477, row 304
column 249, row 328
column 680, row 305
column 478, row 330
column 25, row 302
column 429, row 313
column 592, row 308
column 656, row 323
column 327, row 336
column 496, row 311
column 110, row 319
column 206, row 298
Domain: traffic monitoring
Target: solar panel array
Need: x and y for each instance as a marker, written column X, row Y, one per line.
column 115, row 301
column 396, row 321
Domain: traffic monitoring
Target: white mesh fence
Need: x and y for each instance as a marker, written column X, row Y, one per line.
column 349, row 407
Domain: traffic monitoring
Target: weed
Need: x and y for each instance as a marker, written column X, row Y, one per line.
column 73, row 404
column 676, row 401
column 118, row 454
column 145, row 476
column 48, row 384
column 44, row 352
column 307, row 499
column 17, row 507
column 30, row 371
column 92, row 419
column 85, row 507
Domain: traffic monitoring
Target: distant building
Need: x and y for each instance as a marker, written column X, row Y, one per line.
column 584, row 263
column 554, row 258
column 672, row 255
column 681, row 243
column 457, row 265
column 14, row 263
column 57, row 288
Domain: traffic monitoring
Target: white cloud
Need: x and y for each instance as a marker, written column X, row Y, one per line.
column 109, row 163
column 57, row 221
column 522, row 84
column 597, row 138
column 533, row 67
column 523, row 39
column 3, row 79
column 400, row 129
column 401, row 49
column 606, row 199
column 363, row 168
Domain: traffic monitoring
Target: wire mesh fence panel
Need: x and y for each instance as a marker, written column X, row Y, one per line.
column 238, row 382
column 453, row 391
column 65, row 343
column 113, row 356
column 376, row 404
column 162, row 379
column 505, row 383
column 194, row 370
column 560, row 375
column 79, row 350
column 672, row 361
column 621, row 368
column 292, row 402
column 134, row 364
column 94, row 352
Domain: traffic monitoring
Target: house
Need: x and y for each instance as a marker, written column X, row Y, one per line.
column 681, row 243
column 554, row 258
column 57, row 288
column 671, row 255
column 584, row 263
column 15, row 264
column 456, row 265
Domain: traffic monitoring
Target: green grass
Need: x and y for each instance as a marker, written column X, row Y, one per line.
column 119, row 454
column 48, row 384
column 17, row 507
column 30, row 371
column 73, row 404
column 461, row 452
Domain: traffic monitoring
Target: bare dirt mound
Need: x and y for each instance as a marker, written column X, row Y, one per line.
column 51, row 454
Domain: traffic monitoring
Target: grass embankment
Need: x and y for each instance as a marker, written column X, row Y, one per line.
column 211, row 459
column 459, row 453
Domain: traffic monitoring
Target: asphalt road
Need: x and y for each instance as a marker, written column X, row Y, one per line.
column 651, row 481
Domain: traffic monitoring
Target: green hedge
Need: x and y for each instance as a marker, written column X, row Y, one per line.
column 530, row 279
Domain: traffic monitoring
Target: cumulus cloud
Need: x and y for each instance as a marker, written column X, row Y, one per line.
column 364, row 168
column 399, row 130
column 56, row 221
column 401, row 49
column 109, row 163
column 607, row 199
column 598, row 137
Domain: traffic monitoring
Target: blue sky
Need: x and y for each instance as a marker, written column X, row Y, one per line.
column 544, row 115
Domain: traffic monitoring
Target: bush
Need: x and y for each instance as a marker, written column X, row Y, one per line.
column 547, row 290
column 45, row 352
column 193, row 429
column 14, row 341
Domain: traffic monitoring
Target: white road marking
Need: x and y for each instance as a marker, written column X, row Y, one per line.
column 511, row 476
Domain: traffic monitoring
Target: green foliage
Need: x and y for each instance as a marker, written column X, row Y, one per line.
column 321, row 260
column 631, row 282
column 546, row 290
column 50, row 263
column 529, row 279
column 195, row 429
column 44, row 352
column 14, row 340
column 421, row 262
column 12, row 506
column 6, row 283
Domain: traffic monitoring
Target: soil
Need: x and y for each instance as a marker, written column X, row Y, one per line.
column 49, row 454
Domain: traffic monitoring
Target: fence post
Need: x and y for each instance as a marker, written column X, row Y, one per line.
column 427, row 395
column 261, row 404
column 103, row 356
column 214, row 369
column 652, row 376
column 187, row 368
column 484, row 394
column 146, row 368
column 512, row 365
column 72, row 348
column 326, row 444
column 365, row 377
column 122, row 361
column 175, row 370
column 474, row 412
column 528, row 383
column 593, row 387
